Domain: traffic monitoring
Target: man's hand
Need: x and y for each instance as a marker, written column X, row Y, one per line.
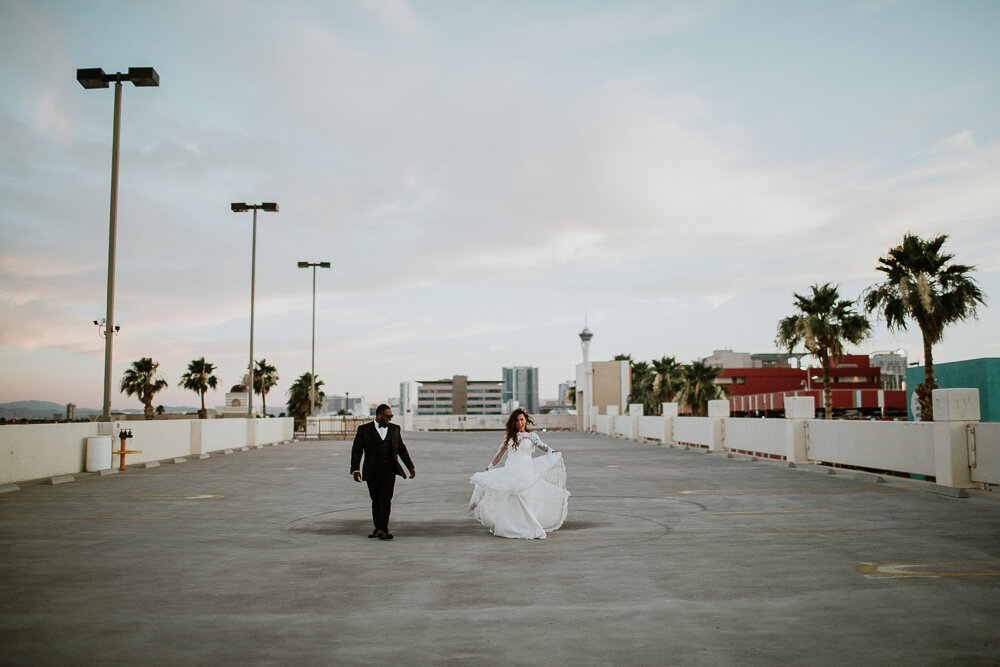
column 413, row 473
column 357, row 476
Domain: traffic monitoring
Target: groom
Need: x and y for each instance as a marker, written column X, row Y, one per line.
column 382, row 446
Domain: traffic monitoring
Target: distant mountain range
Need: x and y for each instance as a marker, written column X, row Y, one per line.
column 47, row 409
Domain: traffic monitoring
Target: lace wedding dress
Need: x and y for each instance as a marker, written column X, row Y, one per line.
column 527, row 497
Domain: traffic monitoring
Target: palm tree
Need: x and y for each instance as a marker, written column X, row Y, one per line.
column 699, row 387
column 265, row 377
column 669, row 380
column 643, row 378
column 571, row 395
column 199, row 378
column 823, row 324
column 298, row 396
column 921, row 284
column 142, row 381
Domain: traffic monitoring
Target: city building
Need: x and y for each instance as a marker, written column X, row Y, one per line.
column 893, row 365
column 460, row 396
column 408, row 392
column 354, row 405
column 237, row 400
column 520, row 385
column 610, row 383
column 730, row 359
column 856, row 386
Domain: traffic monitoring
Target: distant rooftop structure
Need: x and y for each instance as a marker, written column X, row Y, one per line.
column 730, row 359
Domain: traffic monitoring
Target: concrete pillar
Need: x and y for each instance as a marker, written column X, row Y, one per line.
column 669, row 409
column 718, row 412
column 718, row 408
column 251, row 432
column 196, row 437
column 635, row 409
column 954, row 410
column 798, row 410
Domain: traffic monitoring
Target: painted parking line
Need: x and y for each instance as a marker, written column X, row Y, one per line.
column 70, row 517
column 967, row 568
column 27, row 540
column 74, row 499
column 829, row 511
column 772, row 492
column 860, row 532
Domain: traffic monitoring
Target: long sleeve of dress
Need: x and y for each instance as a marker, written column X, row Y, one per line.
column 498, row 455
column 537, row 442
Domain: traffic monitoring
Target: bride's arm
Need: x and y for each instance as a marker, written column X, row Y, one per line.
column 499, row 455
column 539, row 444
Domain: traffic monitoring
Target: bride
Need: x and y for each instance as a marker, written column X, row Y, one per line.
column 527, row 497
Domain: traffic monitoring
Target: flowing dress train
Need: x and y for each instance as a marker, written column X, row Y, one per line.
column 525, row 498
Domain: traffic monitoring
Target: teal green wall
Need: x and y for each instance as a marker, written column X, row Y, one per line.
column 981, row 374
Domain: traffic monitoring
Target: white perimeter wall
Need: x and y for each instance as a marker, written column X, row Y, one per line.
column 957, row 450
column 34, row 451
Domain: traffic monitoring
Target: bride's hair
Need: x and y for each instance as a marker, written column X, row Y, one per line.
column 511, row 430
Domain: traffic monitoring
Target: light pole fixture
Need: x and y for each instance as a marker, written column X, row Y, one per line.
column 95, row 77
column 103, row 329
column 243, row 207
column 312, row 366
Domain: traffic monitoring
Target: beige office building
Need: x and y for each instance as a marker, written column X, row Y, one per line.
column 460, row 396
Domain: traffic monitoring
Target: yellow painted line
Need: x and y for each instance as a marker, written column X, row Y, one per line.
column 40, row 517
column 906, row 569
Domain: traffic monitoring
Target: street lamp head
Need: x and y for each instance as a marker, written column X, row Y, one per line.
column 269, row 206
column 303, row 265
column 324, row 265
column 93, row 77
column 239, row 207
column 143, row 76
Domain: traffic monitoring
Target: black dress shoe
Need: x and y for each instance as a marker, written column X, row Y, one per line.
column 385, row 535
column 374, row 533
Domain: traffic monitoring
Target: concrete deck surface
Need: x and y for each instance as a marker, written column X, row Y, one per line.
column 668, row 556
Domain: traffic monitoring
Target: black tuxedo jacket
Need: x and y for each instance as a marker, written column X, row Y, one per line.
column 367, row 441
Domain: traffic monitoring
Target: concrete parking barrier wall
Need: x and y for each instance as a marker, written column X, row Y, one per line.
column 274, row 430
column 30, row 451
column 899, row 446
column 984, row 452
column 34, row 451
column 696, row 431
column 768, row 437
column 656, row 428
column 214, row 435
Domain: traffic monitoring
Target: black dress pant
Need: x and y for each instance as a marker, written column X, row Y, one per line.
column 380, row 487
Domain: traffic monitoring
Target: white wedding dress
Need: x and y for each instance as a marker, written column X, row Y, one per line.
column 527, row 497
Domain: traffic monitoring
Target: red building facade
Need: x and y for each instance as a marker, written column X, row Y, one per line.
column 760, row 392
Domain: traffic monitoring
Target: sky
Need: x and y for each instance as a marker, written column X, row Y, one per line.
column 485, row 177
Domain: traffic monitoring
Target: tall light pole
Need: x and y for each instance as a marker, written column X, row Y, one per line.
column 96, row 78
column 243, row 207
column 585, row 337
column 312, row 366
